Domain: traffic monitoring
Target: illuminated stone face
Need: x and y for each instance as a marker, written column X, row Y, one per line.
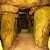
column 7, row 30
column 1, row 45
column 31, row 1
column 49, row 43
column 17, row 2
column 41, row 21
column 8, row 8
column 22, row 4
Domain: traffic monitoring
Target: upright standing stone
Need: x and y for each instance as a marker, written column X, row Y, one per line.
column 41, row 27
column 7, row 30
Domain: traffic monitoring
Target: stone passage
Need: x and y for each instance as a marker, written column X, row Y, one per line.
column 25, row 41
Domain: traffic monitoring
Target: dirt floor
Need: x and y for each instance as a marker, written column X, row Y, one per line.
column 25, row 41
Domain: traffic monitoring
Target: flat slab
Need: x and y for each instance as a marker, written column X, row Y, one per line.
column 22, row 4
column 8, row 8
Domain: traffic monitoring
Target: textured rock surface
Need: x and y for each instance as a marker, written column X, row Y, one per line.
column 8, row 8
column 7, row 30
column 22, row 4
column 41, row 27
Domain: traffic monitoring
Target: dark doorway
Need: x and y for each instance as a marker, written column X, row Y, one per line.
column 23, row 21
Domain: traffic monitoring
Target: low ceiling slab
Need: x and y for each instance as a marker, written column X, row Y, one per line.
column 8, row 8
column 22, row 4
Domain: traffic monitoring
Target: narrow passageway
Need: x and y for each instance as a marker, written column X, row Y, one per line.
column 25, row 41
